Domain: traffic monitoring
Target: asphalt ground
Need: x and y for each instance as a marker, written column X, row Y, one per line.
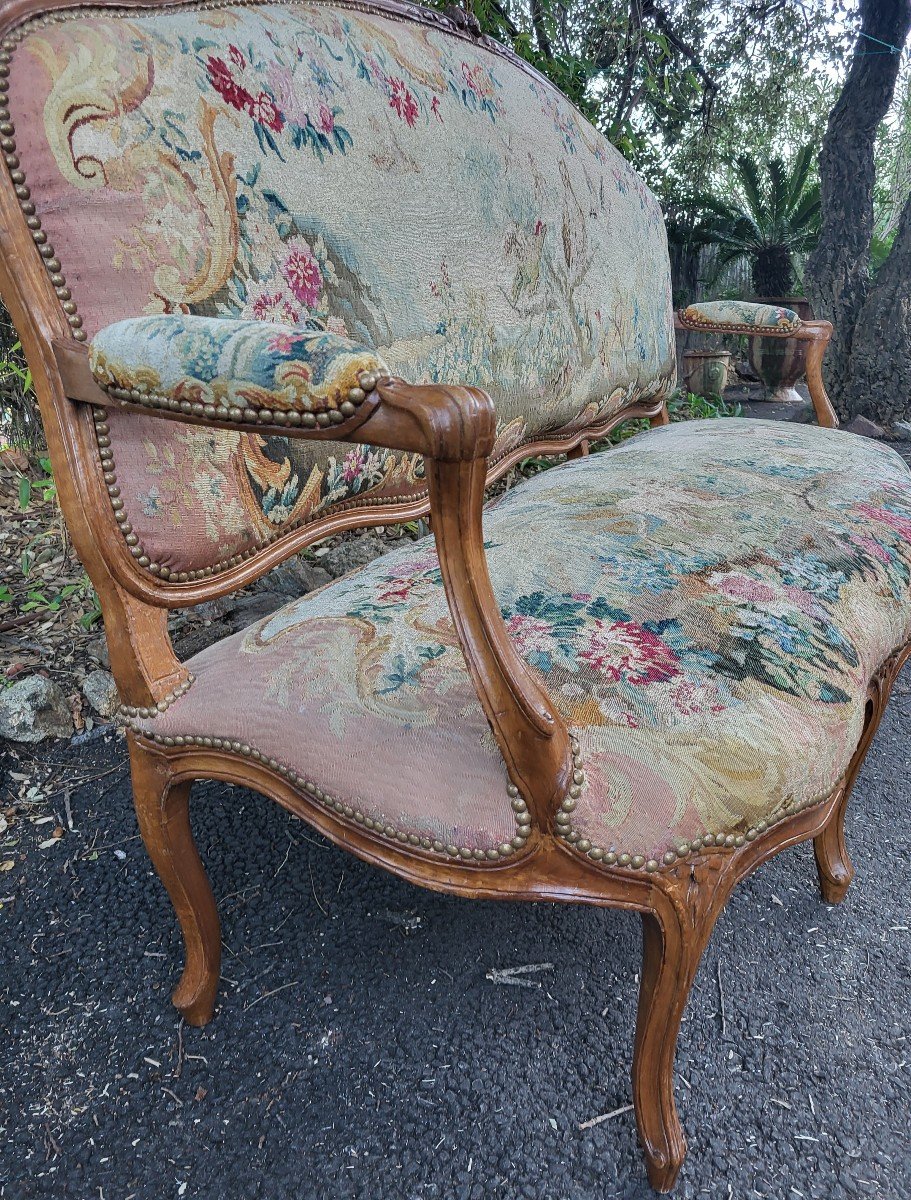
column 359, row 1048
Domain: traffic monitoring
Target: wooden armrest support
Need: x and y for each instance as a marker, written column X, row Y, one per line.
column 454, row 429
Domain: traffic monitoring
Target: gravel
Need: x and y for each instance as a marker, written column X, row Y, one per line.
column 360, row 1050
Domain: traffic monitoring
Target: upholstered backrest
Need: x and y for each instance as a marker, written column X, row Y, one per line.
column 364, row 164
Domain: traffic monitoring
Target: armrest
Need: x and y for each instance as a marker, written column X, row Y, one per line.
column 768, row 320
column 238, row 370
column 214, row 372
column 740, row 316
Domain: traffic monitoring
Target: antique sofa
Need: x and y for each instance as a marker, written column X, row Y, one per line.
column 284, row 270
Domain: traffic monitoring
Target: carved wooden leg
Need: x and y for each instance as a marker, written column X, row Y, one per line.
column 670, row 959
column 580, row 451
column 833, row 862
column 162, row 808
column 661, row 418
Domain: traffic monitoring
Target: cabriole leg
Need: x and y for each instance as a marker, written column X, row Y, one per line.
column 833, row 862
column 162, row 808
column 670, row 960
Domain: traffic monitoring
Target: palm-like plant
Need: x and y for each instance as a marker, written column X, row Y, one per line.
column 775, row 219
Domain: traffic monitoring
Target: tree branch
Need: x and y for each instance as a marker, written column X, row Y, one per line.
column 537, row 20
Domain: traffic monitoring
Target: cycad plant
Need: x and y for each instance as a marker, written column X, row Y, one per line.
column 774, row 219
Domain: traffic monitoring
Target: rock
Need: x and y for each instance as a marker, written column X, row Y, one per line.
column 100, row 690
column 99, row 652
column 33, row 709
column 865, row 427
column 902, row 429
column 354, row 552
column 297, row 577
column 247, row 609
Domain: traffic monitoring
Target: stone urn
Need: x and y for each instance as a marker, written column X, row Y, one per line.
column 780, row 362
column 706, row 372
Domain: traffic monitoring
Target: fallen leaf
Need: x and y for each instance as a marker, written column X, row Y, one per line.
column 52, row 841
column 7, row 864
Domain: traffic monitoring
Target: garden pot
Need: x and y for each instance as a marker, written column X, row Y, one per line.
column 706, row 372
column 780, row 362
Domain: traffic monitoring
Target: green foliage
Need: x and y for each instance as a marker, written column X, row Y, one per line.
column 775, row 217
column 43, row 598
column 688, row 406
column 38, row 587
column 43, row 485
column 20, row 425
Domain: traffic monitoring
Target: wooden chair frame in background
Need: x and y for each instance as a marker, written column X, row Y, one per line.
column 454, row 429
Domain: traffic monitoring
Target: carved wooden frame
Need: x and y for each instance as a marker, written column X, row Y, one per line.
column 453, row 428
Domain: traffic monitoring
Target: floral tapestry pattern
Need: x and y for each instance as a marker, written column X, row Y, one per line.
column 705, row 603
column 228, row 363
column 425, row 197
column 743, row 313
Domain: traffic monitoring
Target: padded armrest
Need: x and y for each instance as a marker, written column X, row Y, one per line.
column 221, row 368
column 739, row 316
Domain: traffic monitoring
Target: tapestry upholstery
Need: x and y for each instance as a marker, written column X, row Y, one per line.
column 254, row 368
column 412, row 190
column 740, row 315
column 705, row 603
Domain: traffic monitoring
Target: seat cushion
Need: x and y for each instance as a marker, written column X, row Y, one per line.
column 705, row 603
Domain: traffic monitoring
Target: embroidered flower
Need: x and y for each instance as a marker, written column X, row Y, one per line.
column 352, row 465
column 872, row 546
column 694, row 698
column 326, row 119
column 403, row 102
column 151, row 501
column 476, row 82
column 531, row 635
column 625, row 650
column 743, row 587
column 236, row 56
column 283, row 343
column 227, row 87
column 302, row 272
column 901, row 524
column 277, row 307
column 266, row 111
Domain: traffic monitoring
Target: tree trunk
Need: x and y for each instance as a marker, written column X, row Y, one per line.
column 880, row 363
column 838, row 271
